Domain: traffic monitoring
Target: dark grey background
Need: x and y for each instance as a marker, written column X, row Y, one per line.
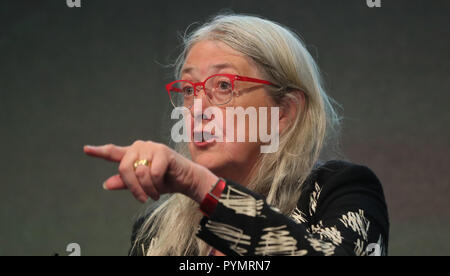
column 94, row 75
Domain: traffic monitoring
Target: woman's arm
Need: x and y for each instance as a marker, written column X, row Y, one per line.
column 345, row 214
column 347, row 209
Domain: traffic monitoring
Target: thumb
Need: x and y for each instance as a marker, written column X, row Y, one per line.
column 114, row 183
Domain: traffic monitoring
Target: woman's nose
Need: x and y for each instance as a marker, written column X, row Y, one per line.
column 204, row 96
column 201, row 102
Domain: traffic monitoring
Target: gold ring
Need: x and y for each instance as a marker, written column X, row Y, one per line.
column 143, row 162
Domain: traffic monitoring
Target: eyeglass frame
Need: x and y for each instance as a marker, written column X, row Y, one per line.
column 232, row 78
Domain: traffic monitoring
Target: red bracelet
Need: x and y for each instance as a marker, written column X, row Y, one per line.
column 211, row 199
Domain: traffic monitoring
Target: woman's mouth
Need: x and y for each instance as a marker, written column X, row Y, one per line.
column 203, row 139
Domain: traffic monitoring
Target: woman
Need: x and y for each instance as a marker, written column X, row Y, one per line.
column 229, row 198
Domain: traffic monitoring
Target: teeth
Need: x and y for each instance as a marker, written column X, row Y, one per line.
column 203, row 117
column 203, row 136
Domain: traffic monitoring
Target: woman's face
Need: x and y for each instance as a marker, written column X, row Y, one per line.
column 231, row 160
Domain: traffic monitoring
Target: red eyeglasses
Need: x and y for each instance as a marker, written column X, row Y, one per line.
column 219, row 88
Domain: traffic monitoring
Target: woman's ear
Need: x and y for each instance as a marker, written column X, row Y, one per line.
column 289, row 108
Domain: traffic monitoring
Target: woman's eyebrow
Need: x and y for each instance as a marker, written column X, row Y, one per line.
column 187, row 70
column 215, row 67
column 220, row 66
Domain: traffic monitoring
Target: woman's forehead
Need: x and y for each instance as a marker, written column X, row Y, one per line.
column 214, row 56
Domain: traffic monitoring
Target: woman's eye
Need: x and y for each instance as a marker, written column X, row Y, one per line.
column 188, row 90
column 223, row 85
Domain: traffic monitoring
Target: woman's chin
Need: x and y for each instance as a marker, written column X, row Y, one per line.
column 209, row 161
column 206, row 162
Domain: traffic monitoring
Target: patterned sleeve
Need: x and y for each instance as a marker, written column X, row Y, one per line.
column 341, row 212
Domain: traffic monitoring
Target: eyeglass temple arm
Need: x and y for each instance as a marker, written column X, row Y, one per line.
column 240, row 78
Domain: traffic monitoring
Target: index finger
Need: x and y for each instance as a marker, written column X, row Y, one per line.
column 108, row 152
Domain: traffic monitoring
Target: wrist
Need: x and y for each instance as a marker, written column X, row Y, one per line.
column 204, row 184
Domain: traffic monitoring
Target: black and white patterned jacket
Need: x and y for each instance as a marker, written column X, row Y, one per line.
column 341, row 211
